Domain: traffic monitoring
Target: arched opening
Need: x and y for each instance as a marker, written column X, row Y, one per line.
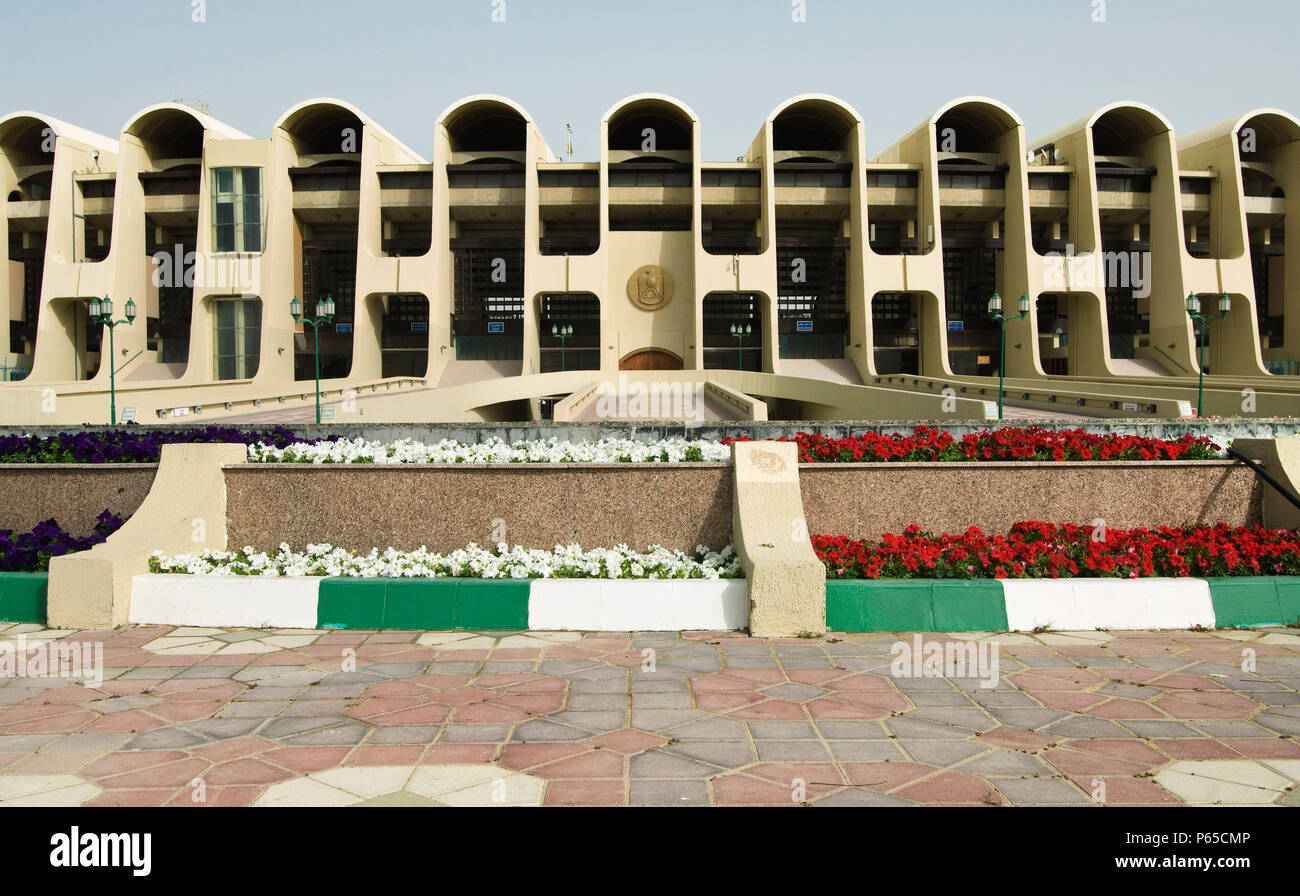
column 896, row 328
column 650, row 143
column 1264, row 140
column 568, row 331
column 650, row 359
column 27, row 149
column 733, row 331
column 650, row 126
column 237, row 336
column 403, row 333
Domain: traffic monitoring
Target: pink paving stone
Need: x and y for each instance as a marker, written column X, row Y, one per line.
column 760, row 677
column 815, row 676
column 1265, row 747
column 823, row 774
column 27, row 712
column 378, row 706
column 134, row 798
column 629, row 658
column 886, row 776
column 1055, row 680
column 281, row 658
column 950, row 788
column 460, row 656
column 123, row 688
column 1199, row 708
column 429, row 714
column 1078, row 762
column 401, row 687
column 861, row 681
column 117, row 763
column 1182, row 681
column 206, row 692
column 1123, row 791
column 386, row 754
column 465, row 696
column 52, row 763
column 517, row 653
column 532, row 684
column 1121, row 708
column 489, row 712
column 305, row 760
column 607, row 792
column 1127, row 674
column 184, row 710
column 593, row 764
column 568, row 652
column 1195, row 748
column 1128, row 749
column 717, row 683
column 71, row 694
column 415, row 654
column 713, row 702
column 828, row 708
column 453, row 754
column 525, row 756
column 1066, row 700
column 628, row 740
column 392, row 637
column 172, row 774
column 218, row 797
column 246, row 771
column 502, row 679
column 63, row 723
column 235, row 748
column 1016, row 739
column 776, row 710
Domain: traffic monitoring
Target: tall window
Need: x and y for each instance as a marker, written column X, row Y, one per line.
column 238, row 338
column 237, row 209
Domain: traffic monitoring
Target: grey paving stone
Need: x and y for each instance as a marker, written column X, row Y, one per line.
column 668, row 792
column 652, row 683
column 122, row 704
column 316, row 708
column 448, row 665
column 399, row 670
column 335, row 736
column 600, row 686
column 1041, row 792
column 173, row 738
column 660, row 764
column 1279, row 723
column 965, row 717
column 1159, row 728
column 597, row 722
column 542, row 731
column 861, row 796
column 615, row 702
column 1009, row 764
column 660, row 719
column 993, row 697
column 200, row 672
column 1128, row 691
column 907, row 728
column 751, row 662
column 1048, row 661
column 908, row 684
column 1277, row 698
column 661, row 701
column 283, row 676
column 940, row 698
column 696, row 664
column 404, row 734
column 783, row 730
column 1232, row 728
column 253, row 709
column 223, row 729
column 334, row 691
column 474, row 734
column 1030, row 719
column 710, row 728
column 725, row 753
column 792, row 751
column 943, row 753
column 25, row 743
column 837, row 729
column 1086, row 726
column 1159, row 663
column 286, row 727
column 358, row 677
column 88, row 743
column 271, row 693
column 563, row 667
column 158, row 673
column 811, row 662
column 867, row 750
column 507, row 667
column 863, row 664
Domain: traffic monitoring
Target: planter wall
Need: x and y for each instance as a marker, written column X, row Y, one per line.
column 73, row 494
column 868, row 500
column 447, row 506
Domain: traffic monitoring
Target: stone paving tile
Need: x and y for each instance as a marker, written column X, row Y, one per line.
column 1159, row 718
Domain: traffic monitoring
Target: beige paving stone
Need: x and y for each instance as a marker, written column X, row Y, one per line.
column 1215, row 781
column 45, row 790
column 1288, row 767
column 288, row 640
column 191, row 630
column 254, row 646
column 365, row 781
column 1279, row 638
column 199, row 648
column 305, row 792
column 518, row 790
column 1075, row 638
column 434, row 639
column 1234, row 635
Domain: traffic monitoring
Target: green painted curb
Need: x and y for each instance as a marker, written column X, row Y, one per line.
column 1255, row 600
column 925, row 605
column 22, row 596
column 440, row 604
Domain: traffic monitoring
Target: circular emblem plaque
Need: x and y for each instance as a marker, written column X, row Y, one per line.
column 650, row 287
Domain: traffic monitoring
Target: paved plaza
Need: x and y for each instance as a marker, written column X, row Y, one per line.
column 213, row 717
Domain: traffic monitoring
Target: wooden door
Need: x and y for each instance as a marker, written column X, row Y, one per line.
column 651, row 359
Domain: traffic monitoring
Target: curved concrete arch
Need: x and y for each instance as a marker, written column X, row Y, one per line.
column 996, row 110
column 317, row 106
column 1132, row 122
column 459, row 119
column 60, row 128
column 481, row 99
column 648, row 98
column 821, row 110
column 135, row 122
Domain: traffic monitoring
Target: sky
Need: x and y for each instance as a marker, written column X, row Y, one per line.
column 95, row 64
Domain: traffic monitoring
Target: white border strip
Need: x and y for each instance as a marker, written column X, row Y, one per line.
column 225, row 601
column 1085, row 604
column 640, row 606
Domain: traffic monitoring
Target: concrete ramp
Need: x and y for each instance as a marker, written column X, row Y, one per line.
column 1138, row 367
column 458, row 373
column 828, row 370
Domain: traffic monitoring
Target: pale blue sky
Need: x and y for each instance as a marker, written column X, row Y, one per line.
column 732, row 61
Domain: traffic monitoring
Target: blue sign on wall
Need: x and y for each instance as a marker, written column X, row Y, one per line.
column 419, row 326
column 496, row 326
column 343, row 328
column 803, row 326
column 956, row 326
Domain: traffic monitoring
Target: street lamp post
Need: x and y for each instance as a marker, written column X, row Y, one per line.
column 325, row 315
column 562, row 334
column 995, row 312
column 740, row 331
column 101, row 312
column 1194, row 312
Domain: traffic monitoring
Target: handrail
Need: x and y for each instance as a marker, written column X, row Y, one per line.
column 1171, row 359
column 1263, row 474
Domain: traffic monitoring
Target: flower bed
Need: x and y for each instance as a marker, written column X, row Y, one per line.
column 1008, row 443
column 31, row 551
column 472, row 562
column 132, row 444
column 491, row 451
column 1044, row 550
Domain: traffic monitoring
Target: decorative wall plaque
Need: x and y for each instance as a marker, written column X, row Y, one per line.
column 650, row 287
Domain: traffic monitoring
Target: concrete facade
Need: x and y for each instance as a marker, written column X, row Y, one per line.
column 859, row 282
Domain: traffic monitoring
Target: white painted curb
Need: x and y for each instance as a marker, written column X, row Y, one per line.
column 1122, row 604
column 225, row 601
column 646, row 606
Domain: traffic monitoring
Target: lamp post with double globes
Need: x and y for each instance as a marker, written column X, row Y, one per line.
column 562, row 333
column 324, row 315
column 1194, row 312
column 740, row 331
column 995, row 312
column 101, row 312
